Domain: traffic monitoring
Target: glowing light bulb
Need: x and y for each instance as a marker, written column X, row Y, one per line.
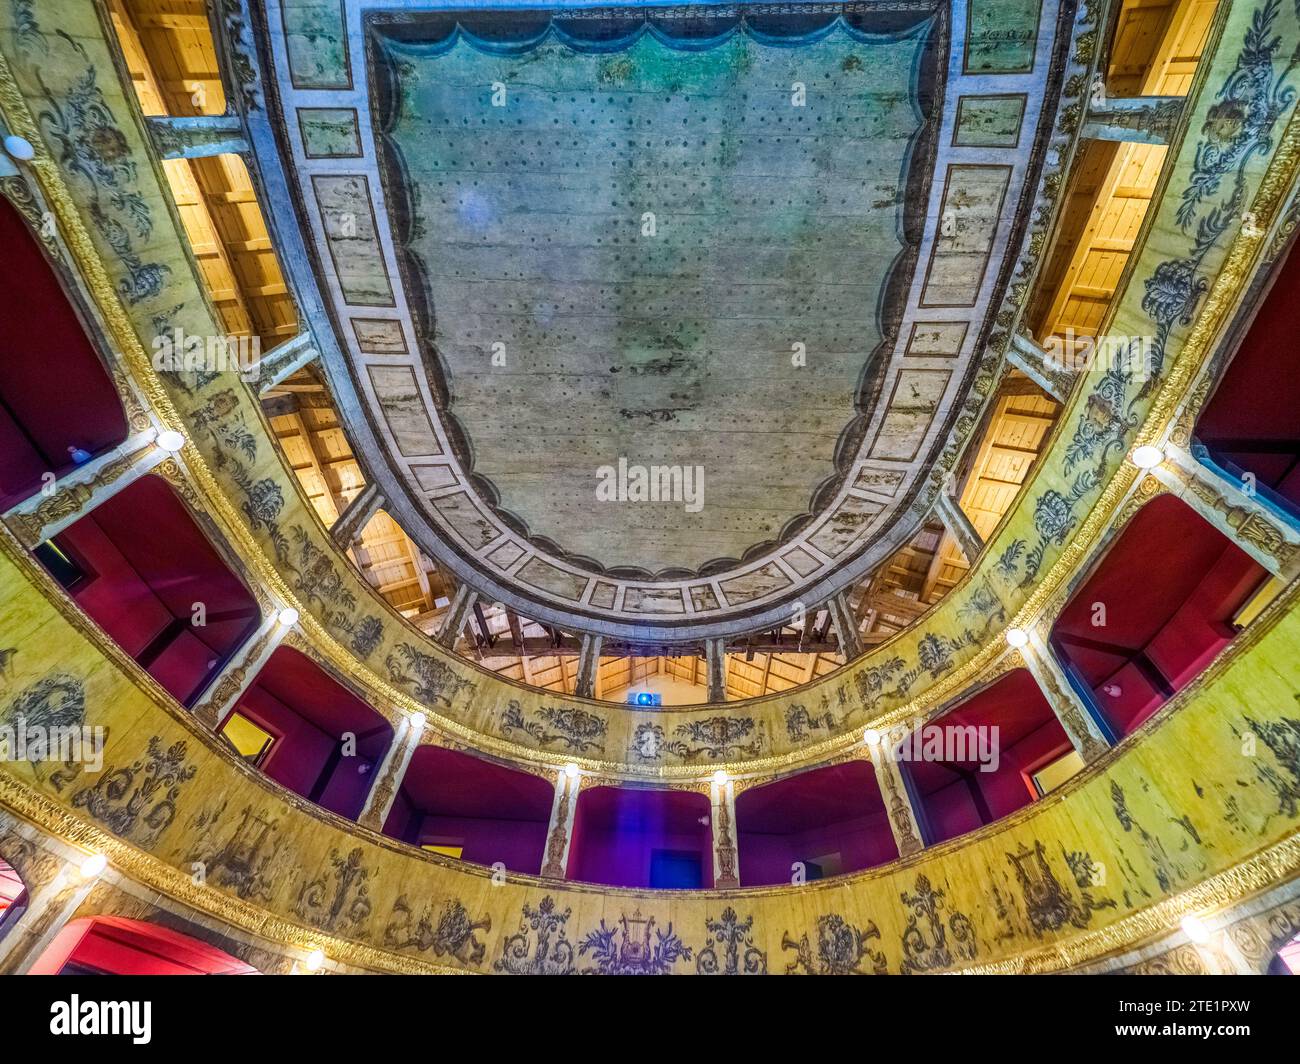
column 417, row 720
column 315, row 960
column 20, row 148
column 171, row 440
column 1194, row 928
column 288, row 617
column 1147, row 456
column 871, row 737
column 571, row 770
column 1017, row 637
column 93, row 865
column 720, row 778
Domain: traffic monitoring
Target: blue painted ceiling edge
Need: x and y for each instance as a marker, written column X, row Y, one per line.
column 608, row 30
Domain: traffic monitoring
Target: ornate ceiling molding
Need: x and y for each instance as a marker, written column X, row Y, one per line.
column 932, row 383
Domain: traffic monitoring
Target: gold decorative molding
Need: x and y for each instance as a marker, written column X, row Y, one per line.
column 1278, row 863
column 1247, row 524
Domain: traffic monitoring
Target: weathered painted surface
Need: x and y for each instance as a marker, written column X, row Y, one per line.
column 645, row 235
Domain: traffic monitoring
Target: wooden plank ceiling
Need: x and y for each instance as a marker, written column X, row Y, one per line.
column 169, row 52
column 307, row 424
column 1156, row 49
column 916, row 577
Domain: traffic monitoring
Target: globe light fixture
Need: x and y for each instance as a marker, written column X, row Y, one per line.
column 20, row 148
column 1147, row 456
column 1194, row 928
column 93, row 865
column 171, row 440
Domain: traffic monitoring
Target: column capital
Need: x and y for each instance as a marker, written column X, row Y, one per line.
column 1133, row 119
column 44, row 515
column 197, row 136
column 1264, row 533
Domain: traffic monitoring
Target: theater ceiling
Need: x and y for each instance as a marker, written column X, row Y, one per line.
column 745, row 259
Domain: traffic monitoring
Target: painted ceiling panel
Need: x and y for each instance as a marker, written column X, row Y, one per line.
column 645, row 234
column 746, row 254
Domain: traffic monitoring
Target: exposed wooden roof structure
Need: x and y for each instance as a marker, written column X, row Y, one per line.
column 1156, row 48
column 169, row 50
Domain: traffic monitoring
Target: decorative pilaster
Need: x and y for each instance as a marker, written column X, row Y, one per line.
column 588, row 666
column 1134, row 119
column 1245, row 518
column 1042, row 368
column 1077, row 717
column 453, row 621
column 44, row 515
column 237, row 675
column 722, row 822
column 903, row 821
column 392, row 770
column 956, row 522
column 197, row 136
column 846, row 626
column 284, row 361
column 715, row 662
column 559, row 833
column 352, row 521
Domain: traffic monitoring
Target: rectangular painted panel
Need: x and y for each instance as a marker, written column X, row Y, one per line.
column 916, row 398
column 967, row 227
column 316, row 43
column 1001, row 36
column 348, row 219
column 989, row 121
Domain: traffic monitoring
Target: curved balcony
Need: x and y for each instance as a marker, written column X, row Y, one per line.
column 340, row 775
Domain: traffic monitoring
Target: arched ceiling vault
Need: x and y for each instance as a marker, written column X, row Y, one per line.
column 753, row 251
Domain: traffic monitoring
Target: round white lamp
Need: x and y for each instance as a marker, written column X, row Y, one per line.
column 171, row 440
column 1147, row 456
column 19, row 148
